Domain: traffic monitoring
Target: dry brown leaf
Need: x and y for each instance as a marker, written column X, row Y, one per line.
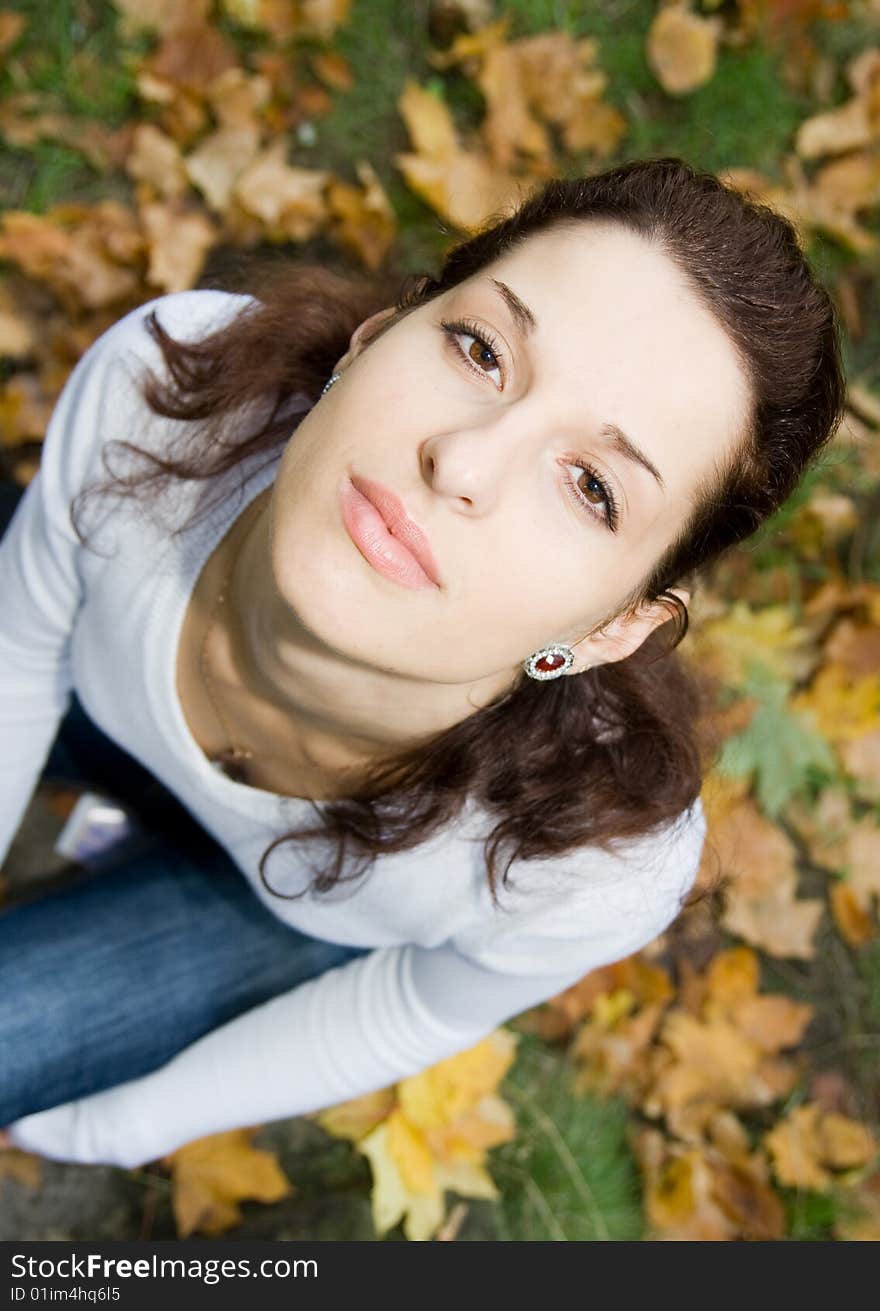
column 85, row 254
column 428, row 122
column 509, row 127
column 178, row 239
column 861, row 760
column 755, row 1209
column 595, row 126
column 834, row 131
column 615, row 1058
column 468, row 48
column 682, row 49
column 364, row 220
column 762, row 905
column 464, row 188
column 851, row 916
column 191, row 57
column 238, row 98
column 289, row 201
column 855, row 646
column 322, row 17
column 220, row 160
column 25, row 1167
column 714, row 1066
column 161, row 16
column 156, row 160
column 17, row 333
column 698, row 1194
column 212, row 1175
column 333, row 69
column 809, row 1143
column 772, row 1022
column 279, row 17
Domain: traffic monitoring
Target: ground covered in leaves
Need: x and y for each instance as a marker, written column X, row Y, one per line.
column 725, row 1083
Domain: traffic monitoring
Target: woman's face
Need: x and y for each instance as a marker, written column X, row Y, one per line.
column 477, row 411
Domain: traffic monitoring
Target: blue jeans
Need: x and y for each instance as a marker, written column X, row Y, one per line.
column 110, row 975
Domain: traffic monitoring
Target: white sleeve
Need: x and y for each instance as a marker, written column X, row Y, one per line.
column 355, row 1028
column 41, row 587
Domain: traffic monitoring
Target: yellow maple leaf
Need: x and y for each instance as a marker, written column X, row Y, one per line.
column 391, row 1199
column 438, row 1095
column 490, row 1122
column 355, row 1118
column 846, row 706
column 212, row 1175
column 768, row 635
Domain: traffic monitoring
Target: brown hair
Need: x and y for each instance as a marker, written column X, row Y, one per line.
column 620, row 750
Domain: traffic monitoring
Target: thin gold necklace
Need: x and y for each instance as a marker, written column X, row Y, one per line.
column 230, row 759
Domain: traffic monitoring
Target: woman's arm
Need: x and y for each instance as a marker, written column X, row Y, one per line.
column 376, row 1019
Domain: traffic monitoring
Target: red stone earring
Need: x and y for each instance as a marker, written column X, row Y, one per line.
column 550, row 661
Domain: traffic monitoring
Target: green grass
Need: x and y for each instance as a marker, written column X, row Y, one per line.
column 71, row 56
column 568, row 1176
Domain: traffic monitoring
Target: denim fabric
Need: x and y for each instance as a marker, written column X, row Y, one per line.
column 108, row 976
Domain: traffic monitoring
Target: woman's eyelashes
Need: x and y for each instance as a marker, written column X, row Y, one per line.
column 589, row 485
column 478, row 348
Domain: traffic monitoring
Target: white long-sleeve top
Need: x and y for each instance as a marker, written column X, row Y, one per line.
column 446, row 966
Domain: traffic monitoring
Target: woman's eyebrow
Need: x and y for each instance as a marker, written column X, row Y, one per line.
column 526, row 322
column 525, row 319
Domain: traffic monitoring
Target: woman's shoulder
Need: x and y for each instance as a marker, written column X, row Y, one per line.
column 590, row 906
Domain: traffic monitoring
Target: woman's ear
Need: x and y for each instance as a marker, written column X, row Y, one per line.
column 624, row 634
column 363, row 334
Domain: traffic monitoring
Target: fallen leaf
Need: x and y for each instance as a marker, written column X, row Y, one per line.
column 762, row 905
column 178, row 241
column 364, row 221
column 809, row 1143
column 850, row 915
column 212, row 1175
column 682, row 49
column 289, row 201
column 354, row 1119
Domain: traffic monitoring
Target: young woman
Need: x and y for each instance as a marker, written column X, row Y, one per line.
column 400, row 571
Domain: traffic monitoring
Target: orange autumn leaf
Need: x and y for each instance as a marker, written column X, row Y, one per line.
column 808, row 1144
column 363, row 220
column 356, row 1118
column 462, row 185
column 852, row 919
column 762, row 905
column 212, row 1175
column 846, row 705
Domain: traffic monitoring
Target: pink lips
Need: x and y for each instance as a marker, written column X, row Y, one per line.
column 384, row 534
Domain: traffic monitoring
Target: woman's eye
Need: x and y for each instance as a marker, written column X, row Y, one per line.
column 593, row 491
column 481, row 354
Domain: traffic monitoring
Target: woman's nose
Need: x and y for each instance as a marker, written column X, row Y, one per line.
column 467, row 466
